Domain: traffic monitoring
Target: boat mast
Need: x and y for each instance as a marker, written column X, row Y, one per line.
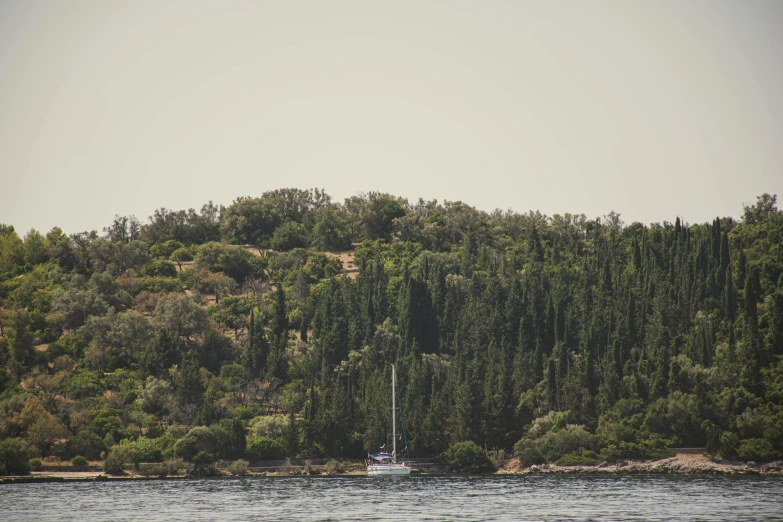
column 394, row 423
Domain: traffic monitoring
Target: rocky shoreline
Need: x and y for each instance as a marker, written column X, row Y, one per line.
column 680, row 464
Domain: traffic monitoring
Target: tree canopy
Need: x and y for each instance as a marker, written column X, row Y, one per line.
column 267, row 328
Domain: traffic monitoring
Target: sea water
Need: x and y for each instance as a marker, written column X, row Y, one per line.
column 529, row 497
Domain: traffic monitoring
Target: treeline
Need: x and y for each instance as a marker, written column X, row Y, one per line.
column 233, row 333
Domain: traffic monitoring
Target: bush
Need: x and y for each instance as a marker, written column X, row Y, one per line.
column 134, row 452
column 36, row 465
column 499, row 457
column 270, row 426
column 79, row 462
column 173, row 466
column 160, row 268
column 203, row 458
column 467, row 457
column 583, row 458
column 113, row 465
column 333, row 467
column 553, row 445
column 198, row 440
column 729, row 445
column 528, row 455
column 288, row 236
column 154, row 470
column 238, row 467
column 758, row 450
column 208, row 471
column 85, row 443
column 264, row 448
column 654, row 448
column 14, row 457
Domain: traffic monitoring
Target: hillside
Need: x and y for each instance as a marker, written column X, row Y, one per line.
column 266, row 329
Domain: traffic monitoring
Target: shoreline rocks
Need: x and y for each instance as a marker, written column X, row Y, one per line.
column 682, row 464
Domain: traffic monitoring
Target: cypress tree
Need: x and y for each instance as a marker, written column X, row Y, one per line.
column 661, row 378
column 589, row 378
column 21, row 345
column 561, row 322
column 741, row 269
column 538, row 362
column 280, row 319
column 705, row 347
column 637, row 255
column 716, row 242
column 751, row 313
column 551, row 382
column 730, row 297
column 550, row 328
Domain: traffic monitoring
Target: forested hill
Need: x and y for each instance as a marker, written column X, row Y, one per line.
column 237, row 332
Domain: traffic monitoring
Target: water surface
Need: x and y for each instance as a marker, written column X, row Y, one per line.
column 530, row 497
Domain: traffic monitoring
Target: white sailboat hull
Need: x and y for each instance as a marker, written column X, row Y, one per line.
column 388, row 470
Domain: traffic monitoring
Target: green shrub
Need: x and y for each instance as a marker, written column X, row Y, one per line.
column 36, row 465
column 554, row 444
column 205, row 471
column 135, row 452
column 729, row 445
column 288, row 236
column 654, row 448
column 85, row 443
column 113, row 465
column 467, row 457
column 79, row 462
column 270, row 426
column 174, row 466
column 499, row 457
column 198, row 440
column 14, row 457
column 528, row 454
column 154, row 470
column 758, row 450
column 583, row 458
column 238, row 467
column 203, row 458
column 333, row 467
column 160, row 268
column 264, row 448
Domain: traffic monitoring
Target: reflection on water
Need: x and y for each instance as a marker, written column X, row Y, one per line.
column 531, row 497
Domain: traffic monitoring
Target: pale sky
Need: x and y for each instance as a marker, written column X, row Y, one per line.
column 651, row 109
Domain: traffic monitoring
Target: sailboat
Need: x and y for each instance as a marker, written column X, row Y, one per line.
column 386, row 463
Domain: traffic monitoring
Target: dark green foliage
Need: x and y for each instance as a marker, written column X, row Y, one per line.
column 467, row 457
column 264, row 448
column 758, row 450
column 649, row 335
column 79, row 462
column 583, row 458
column 14, row 457
column 86, row 443
column 288, row 236
column 199, row 440
column 236, row 262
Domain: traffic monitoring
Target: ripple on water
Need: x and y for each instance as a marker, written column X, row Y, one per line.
column 550, row 497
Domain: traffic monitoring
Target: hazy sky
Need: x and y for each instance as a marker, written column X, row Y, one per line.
column 653, row 109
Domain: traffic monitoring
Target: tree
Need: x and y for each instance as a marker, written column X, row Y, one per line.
column 198, row 440
column 467, row 457
column 766, row 205
column 250, row 221
column 21, row 343
column 288, row 236
column 14, row 457
column 236, row 262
